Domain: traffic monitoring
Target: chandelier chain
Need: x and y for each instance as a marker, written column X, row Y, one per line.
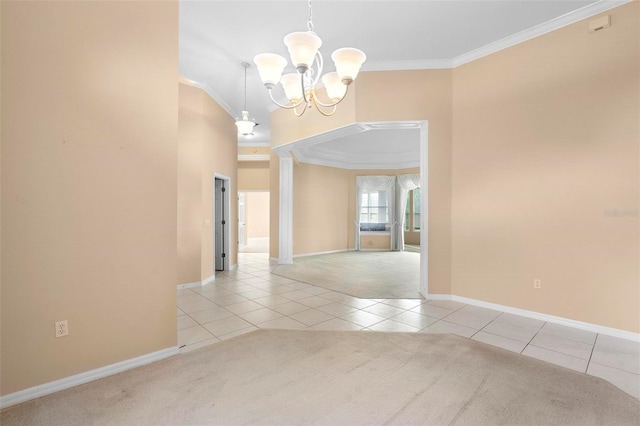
column 310, row 21
column 245, row 88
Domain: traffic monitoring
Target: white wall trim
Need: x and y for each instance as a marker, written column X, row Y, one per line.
column 319, row 253
column 190, row 285
column 194, row 284
column 424, row 208
column 341, row 164
column 256, row 144
column 88, row 376
column 609, row 331
column 418, row 64
column 254, row 157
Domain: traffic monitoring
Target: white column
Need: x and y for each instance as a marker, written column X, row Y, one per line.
column 286, row 210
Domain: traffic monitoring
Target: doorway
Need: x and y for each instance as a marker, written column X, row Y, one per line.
column 253, row 221
column 304, row 150
column 221, row 209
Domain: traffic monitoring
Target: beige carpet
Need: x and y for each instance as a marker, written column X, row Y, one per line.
column 338, row 378
column 367, row 275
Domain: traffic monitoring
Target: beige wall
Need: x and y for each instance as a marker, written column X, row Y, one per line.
column 257, row 214
column 375, row 242
column 190, row 218
column 320, row 209
column 254, row 150
column 546, row 140
column 207, row 145
column 254, row 176
column 286, row 127
column 89, row 114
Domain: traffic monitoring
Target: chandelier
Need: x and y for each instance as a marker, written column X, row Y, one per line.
column 245, row 125
column 301, row 87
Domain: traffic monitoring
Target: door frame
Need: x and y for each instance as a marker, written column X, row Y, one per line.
column 286, row 187
column 227, row 214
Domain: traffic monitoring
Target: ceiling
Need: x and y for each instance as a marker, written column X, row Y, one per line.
column 216, row 36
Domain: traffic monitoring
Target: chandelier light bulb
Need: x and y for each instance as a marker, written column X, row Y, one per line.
column 292, row 87
column 335, row 88
column 303, row 47
column 270, row 67
column 348, row 62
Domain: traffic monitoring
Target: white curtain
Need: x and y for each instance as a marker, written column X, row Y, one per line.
column 376, row 183
column 405, row 184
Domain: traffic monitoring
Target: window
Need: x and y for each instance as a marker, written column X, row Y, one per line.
column 374, row 211
column 412, row 212
column 407, row 211
column 416, row 209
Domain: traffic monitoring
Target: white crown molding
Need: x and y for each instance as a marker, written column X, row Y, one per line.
column 420, row 64
column 538, row 30
column 88, row 376
column 528, row 34
column 254, row 157
column 249, row 144
column 609, row 331
column 212, row 94
column 340, row 164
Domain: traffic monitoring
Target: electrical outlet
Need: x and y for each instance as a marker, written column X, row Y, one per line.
column 537, row 283
column 62, row 328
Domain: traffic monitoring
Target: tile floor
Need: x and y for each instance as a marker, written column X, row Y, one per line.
column 249, row 298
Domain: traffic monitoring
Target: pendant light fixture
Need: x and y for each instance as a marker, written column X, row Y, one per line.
column 301, row 87
column 245, row 125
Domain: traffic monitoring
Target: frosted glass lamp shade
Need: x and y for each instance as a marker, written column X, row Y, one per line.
column 245, row 126
column 348, row 61
column 335, row 88
column 303, row 47
column 270, row 67
column 292, row 86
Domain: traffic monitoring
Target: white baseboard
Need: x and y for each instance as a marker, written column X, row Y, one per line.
column 206, row 281
column 88, row 376
column 319, row 253
column 609, row 331
column 189, row 285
